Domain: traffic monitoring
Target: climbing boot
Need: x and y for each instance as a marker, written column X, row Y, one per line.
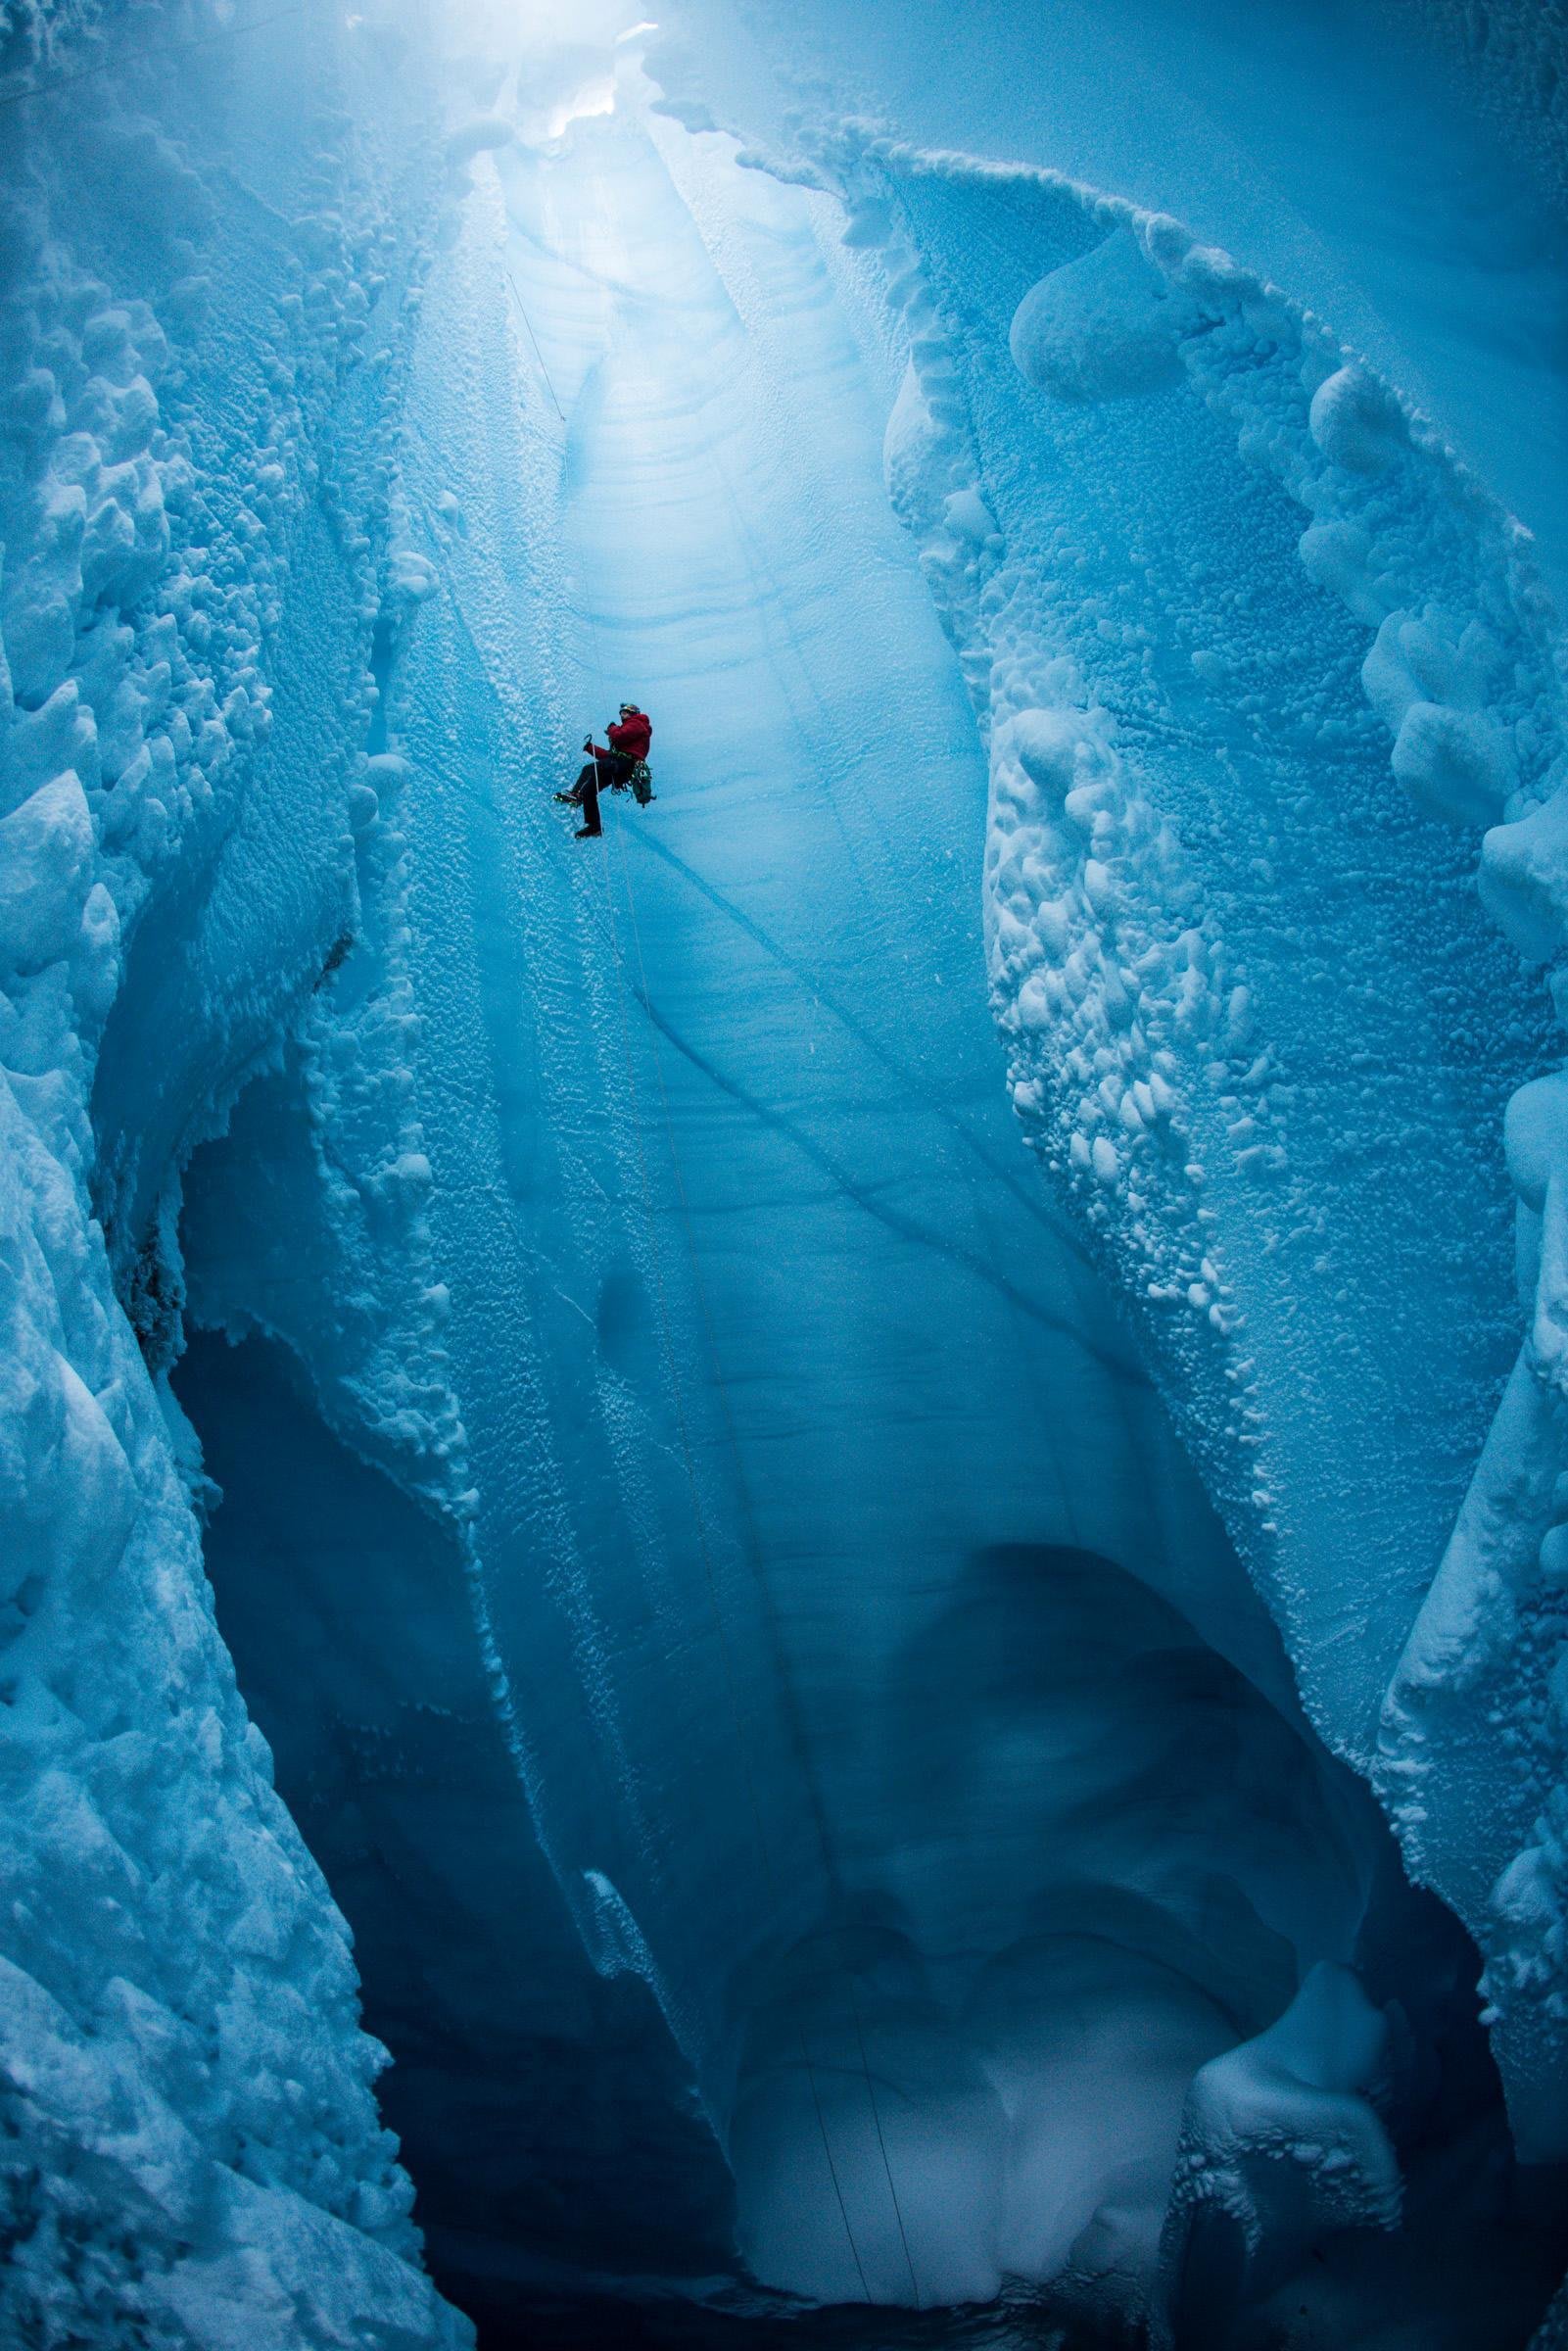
column 589, row 832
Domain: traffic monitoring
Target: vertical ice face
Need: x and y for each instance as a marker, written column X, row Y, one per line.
column 193, row 2151
column 897, row 1896
column 1246, row 987
column 723, row 1196
column 817, row 1786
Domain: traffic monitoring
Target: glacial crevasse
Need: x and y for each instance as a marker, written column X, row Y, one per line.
column 739, row 1628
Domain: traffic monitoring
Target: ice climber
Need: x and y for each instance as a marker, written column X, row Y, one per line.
column 622, row 763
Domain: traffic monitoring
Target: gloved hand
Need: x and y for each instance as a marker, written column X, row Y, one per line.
column 588, row 743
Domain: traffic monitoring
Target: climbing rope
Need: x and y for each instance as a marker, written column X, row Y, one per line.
column 544, row 372
column 699, row 1517
column 752, row 1547
column 199, row 40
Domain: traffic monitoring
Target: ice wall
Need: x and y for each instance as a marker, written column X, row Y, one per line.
column 1254, row 1014
column 680, row 1389
column 195, row 541
column 1508, row 62
column 753, row 1272
column 818, row 1799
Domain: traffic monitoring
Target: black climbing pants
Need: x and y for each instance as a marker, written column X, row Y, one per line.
column 614, row 772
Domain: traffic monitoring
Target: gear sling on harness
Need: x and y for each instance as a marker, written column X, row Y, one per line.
column 613, row 766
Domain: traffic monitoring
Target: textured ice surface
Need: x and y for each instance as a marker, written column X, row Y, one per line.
column 193, row 2149
column 826, row 1664
column 1237, row 1034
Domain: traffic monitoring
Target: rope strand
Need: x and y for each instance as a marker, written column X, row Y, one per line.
column 699, row 1517
column 200, row 41
column 752, row 1548
column 743, row 1486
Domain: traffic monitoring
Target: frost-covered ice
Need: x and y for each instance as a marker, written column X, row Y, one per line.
column 889, row 1721
column 194, row 2151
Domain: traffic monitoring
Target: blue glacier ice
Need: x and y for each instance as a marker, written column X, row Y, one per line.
column 802, row 1574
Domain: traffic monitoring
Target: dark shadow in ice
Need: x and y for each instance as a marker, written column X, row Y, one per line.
column 344, row 1608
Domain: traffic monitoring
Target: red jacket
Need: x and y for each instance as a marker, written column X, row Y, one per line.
column 631, row 737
